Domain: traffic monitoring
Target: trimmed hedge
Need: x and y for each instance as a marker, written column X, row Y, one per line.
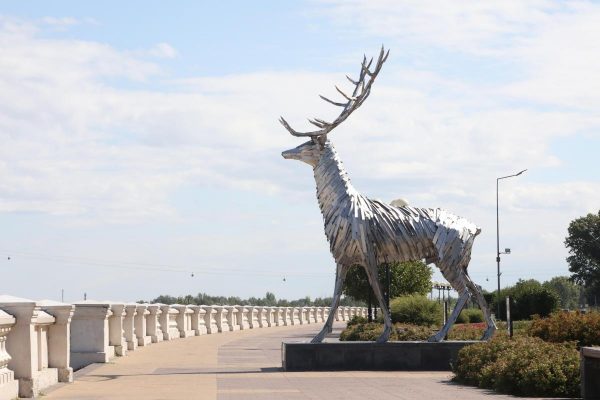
column 568, row 326
column 370, row 331
column 522, row 366
column 416, row 310
column 470, row 315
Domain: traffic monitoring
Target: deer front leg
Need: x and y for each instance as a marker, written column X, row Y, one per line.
column 462, row 300
column 340, row 275
column 371, row 270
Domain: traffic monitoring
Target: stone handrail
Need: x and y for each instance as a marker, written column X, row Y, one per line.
column 42, row 342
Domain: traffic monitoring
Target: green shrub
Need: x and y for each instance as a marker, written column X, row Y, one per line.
column 568, row 326
column 357, row 319
column 475, row 315
column 470, row 315
column 462, row 318
column 369, row 331
column 372, row 330
column 417, row 310
column 522, row 366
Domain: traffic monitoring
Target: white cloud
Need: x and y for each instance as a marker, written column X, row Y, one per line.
column 61, row 22
column 484, row 28
column 75, row 143
column 163, row 50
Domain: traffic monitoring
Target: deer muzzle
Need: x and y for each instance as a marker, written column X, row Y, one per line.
column 292, row 154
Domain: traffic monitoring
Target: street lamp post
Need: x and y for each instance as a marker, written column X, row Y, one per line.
column 498, row 239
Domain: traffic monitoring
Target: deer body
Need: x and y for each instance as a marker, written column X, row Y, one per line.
column 369, row 232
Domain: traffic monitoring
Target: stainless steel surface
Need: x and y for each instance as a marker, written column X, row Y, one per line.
column 370, row 232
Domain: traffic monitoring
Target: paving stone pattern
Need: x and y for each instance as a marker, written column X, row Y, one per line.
column 246, row 365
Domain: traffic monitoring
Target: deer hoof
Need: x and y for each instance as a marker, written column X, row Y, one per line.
column 319, row 338
column 385, row 336
column 489, row 332
column 434, row 339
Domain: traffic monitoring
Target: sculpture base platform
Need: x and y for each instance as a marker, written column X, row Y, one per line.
column 371, row 356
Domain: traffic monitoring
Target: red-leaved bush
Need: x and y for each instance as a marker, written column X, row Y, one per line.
column 568, row 326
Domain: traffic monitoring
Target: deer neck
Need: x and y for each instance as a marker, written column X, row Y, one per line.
column 334, row 189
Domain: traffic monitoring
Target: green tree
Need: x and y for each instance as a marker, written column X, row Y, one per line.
column 411, row 277
column 270, row 299
column 567, row 291
column 583, row 243
column 529, row 297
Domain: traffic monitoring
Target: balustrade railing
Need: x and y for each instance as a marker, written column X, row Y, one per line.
column 41, row 343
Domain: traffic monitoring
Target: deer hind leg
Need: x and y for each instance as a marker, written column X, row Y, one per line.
column 371, row 270
column 340, row 275
column 487, row 316
column 462, row 300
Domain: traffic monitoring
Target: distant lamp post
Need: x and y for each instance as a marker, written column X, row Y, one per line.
column 506, row 251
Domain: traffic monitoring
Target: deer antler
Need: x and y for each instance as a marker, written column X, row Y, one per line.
column 362, row 89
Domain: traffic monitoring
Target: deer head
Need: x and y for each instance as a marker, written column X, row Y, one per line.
column 311, row 151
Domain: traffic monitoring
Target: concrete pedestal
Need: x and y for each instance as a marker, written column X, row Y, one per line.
column 590, row 372
column 370, row 356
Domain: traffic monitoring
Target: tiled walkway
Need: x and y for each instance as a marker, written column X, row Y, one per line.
column 246, row 365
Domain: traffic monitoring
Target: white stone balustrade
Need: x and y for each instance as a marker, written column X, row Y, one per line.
column 281, row 316
column 271, row 316
column 129, row 326
column 116, row 338
column 222, row 319
column 59, row 338
column 198, row 324
column 232, row 318
column 342, row 313
column 168, row 322
column 263, row 316
column 242, row 317
column 284, row 316
column 317, row 314
column 173, row 329
column 153, row 324
column 305, row 315
column 253, row 317
column 27, row 343
column 141, row 325
column 9, row 386
column 295, row 317
column 210, row 319
column 302, row 315
column 90, row 334
column 42, row 342
column 184, row 320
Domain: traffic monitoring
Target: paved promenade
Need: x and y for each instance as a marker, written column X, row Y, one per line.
column 246, row 365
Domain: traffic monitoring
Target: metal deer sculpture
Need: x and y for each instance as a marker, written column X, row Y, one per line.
column 368, row 232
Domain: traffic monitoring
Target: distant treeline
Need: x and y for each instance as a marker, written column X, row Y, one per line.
column 268, row 300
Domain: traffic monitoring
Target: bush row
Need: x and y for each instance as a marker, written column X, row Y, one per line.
column 584, row 329
column 523, row 366
column 359, row 329
column 370, row 331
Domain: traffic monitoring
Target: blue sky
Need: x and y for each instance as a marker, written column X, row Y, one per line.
column 141, row 143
